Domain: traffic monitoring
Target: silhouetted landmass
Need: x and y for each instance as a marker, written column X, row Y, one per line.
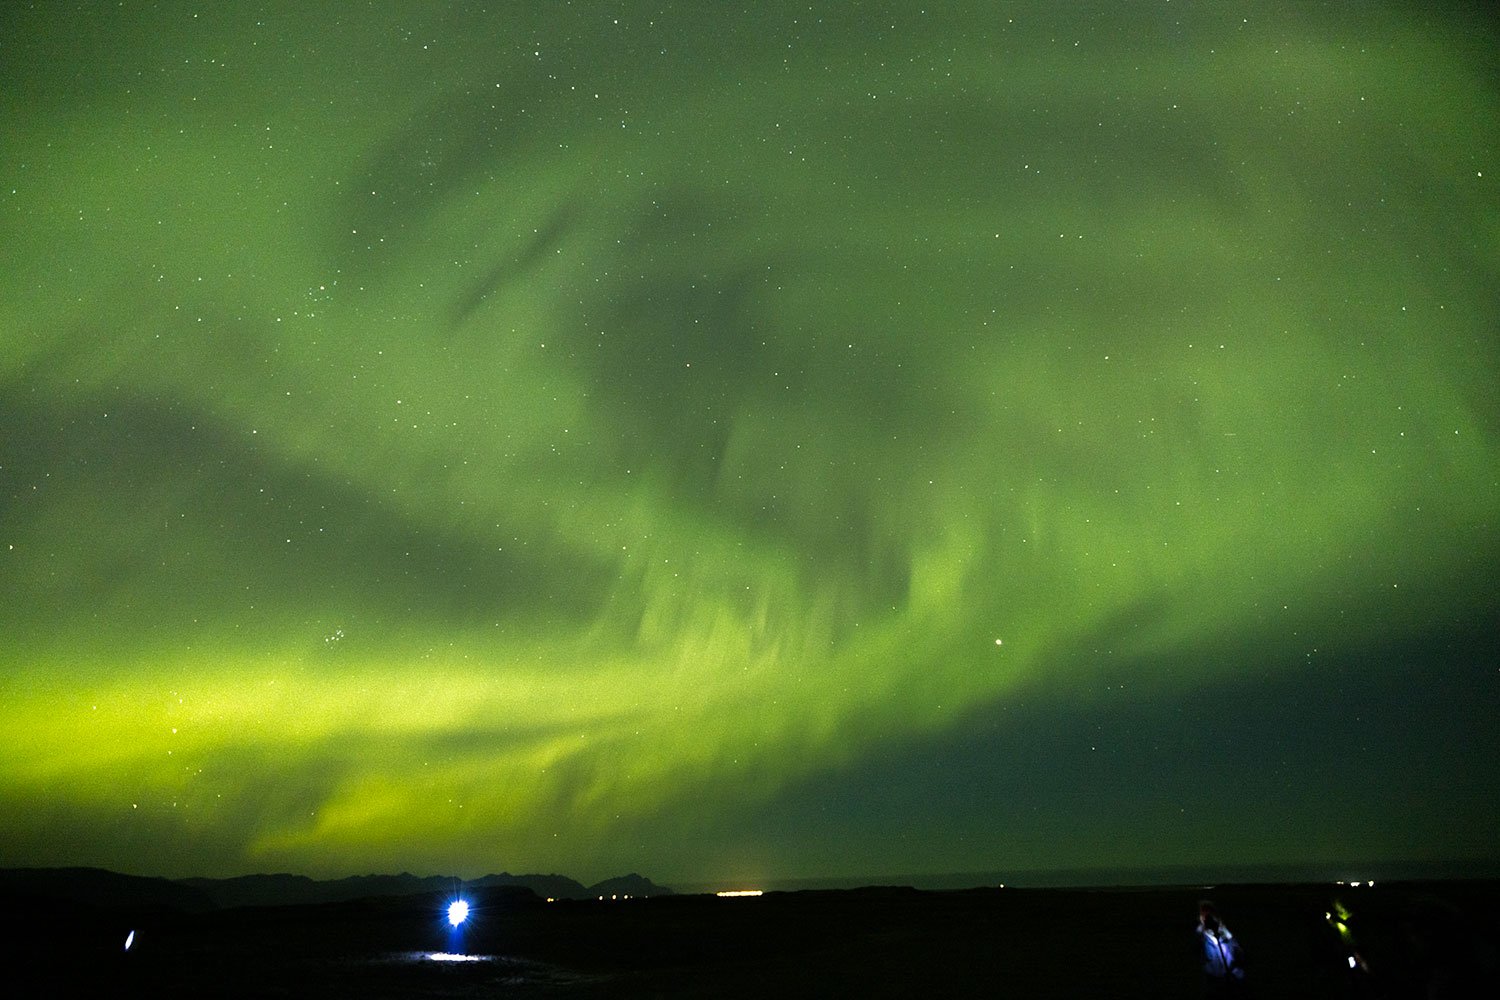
column 1417, row 939
column 293, row 890
column 632, row 885
column 98, row 887
column 194, row 895
column 554, row 886
column 289, row 890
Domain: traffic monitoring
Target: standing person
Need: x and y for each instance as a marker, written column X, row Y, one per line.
column 1223, row 962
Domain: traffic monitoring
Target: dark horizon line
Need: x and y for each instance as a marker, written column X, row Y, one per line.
column 1075, row 877
column 313, row 878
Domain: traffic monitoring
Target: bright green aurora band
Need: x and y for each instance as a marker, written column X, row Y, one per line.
column 806, row 440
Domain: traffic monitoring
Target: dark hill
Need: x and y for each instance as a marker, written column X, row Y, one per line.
column 101, row 888
column 554, row 886
column 106, row 889
column 290, row 890
column 633, row 885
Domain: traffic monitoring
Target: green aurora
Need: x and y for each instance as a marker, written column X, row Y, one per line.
column 809, row 440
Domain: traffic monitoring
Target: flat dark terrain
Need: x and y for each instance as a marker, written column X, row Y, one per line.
column 1420, row 940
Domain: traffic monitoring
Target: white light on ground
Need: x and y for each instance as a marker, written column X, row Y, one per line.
column 444, row 956
column 739, row 892
column 458, row 912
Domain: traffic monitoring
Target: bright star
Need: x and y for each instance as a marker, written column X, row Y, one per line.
column 458, row 912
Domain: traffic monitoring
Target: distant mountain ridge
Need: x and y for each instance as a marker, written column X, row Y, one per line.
column 632, row 885
column 283, row 890
column 99, row 887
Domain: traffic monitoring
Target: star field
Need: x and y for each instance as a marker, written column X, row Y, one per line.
column 726, row 442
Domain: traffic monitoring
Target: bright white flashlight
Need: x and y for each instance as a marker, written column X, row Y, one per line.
column 458, row 912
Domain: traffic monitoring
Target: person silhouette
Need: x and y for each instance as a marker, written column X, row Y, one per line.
column 1223, row 961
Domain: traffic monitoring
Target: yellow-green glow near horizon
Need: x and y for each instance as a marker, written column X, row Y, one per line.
column 446, row 441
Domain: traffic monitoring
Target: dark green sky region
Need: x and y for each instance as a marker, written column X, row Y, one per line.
column 746, row 442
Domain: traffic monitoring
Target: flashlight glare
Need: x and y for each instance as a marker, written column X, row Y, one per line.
column 458, row 912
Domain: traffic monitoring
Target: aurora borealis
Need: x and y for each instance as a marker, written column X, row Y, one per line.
column 747, row 441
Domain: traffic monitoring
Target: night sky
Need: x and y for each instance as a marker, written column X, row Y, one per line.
column 753, row 441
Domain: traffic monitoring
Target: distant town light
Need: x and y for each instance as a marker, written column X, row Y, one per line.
column 739, row 892
column 458, row 912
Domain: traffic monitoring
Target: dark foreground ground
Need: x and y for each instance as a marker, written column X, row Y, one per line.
column 1420, row 940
